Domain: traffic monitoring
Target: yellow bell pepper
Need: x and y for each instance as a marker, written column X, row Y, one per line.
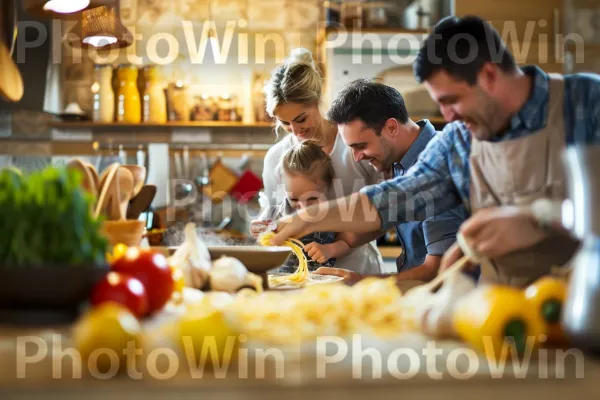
column 118, row 251
column 178, row 284
column 493, row 319
column 547, row 296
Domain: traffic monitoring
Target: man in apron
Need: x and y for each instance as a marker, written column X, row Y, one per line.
column 501, row 151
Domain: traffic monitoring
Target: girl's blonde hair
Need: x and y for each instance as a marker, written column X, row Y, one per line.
column 297, row 80
column 308, row 159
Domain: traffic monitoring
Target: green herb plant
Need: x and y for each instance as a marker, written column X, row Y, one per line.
column 46, row 220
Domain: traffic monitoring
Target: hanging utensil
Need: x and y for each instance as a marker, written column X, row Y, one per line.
column 178, row 166
column 186, row 162
column 203, row 180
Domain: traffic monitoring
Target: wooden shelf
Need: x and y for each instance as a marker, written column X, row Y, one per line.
column 191, row 124
column 324, row 33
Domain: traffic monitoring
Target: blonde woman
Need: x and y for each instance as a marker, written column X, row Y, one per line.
column 293, row 98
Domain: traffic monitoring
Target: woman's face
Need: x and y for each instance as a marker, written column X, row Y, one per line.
column 302, row 192
column 302, row 120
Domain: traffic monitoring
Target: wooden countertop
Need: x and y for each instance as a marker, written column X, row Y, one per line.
column 299, row 375
column 31, row 367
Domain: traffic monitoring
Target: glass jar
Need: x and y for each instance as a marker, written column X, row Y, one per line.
column 225, row 108
column 155, row 101
column 178, row 102
column 103, row 95
column 129, row 108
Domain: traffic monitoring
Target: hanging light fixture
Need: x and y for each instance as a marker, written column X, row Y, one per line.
column 64, row 9
column 65, row 6
column 212, row 35
column 101, row 28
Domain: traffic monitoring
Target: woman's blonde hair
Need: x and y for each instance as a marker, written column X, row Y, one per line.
column 308, row 159
column 297, row 80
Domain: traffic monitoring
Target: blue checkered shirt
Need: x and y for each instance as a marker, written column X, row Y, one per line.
column 440, row 180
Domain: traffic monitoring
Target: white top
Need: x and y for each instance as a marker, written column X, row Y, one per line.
column 350, row 177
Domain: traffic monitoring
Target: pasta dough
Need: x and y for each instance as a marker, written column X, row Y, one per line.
column 292, row 318
column 301, row 276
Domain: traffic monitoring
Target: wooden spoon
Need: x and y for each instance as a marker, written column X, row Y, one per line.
column 87, row 180
column 139, row 177
column 94, row 174
column 104, row 175
column 141, row 202
column 107, row 186
column 123, row 193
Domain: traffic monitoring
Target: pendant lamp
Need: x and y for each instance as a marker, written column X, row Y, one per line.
column 101, row 28
column 62, row 9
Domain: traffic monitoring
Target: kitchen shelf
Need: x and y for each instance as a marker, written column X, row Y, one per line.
column 324, row 32
column 191, row 124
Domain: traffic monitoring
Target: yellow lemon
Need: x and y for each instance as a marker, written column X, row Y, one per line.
column 206, row 335
column 102, row 337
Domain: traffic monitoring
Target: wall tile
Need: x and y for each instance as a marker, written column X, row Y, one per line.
column 302, row 14
column 266, row 15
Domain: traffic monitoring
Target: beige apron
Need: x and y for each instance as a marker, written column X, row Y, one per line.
column 518, row 172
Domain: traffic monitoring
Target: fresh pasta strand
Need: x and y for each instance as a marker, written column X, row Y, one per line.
column 301, row 275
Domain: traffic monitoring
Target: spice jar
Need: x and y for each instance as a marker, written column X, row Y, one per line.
column 178, row 104
column 129, row 107
column 225, row 108
column 103, row 94
column 155, row 101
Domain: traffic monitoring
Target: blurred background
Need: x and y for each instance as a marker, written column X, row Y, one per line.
column 182, row 95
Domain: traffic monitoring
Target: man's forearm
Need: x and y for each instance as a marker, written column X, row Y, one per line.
column 354, row 213
column 424, row 272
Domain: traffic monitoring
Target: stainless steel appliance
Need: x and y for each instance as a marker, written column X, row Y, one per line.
column 581, row 214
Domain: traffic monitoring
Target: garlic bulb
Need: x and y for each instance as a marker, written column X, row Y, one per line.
column 438, row 319
column 193, row 258
column 431, row 312
column 228, row 274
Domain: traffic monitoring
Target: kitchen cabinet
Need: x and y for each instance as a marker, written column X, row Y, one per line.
column 366, row 54
column 536, row 23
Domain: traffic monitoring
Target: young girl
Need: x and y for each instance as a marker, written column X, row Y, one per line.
column 307, row 174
